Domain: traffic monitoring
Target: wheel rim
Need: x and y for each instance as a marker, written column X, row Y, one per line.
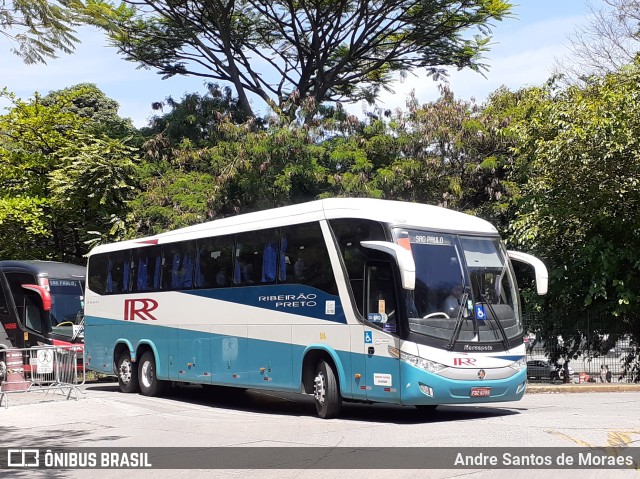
column 125, row 371
column 320, row 390
column 147, row 374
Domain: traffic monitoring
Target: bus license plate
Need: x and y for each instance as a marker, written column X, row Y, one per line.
column 480, row 392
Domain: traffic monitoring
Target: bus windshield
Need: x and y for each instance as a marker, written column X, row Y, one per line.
column 67, row 306
column 465, row 289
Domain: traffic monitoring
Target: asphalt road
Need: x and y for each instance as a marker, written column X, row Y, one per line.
column 196, row 418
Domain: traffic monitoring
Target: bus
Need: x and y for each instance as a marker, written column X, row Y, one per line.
column 41, row 303
column 344, row 299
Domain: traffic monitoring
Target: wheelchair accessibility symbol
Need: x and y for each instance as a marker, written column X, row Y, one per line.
column 368, row 337
column 480, row 313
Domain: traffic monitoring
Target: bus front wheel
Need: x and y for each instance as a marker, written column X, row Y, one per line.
column 127, row 374
column 150, row 385
column 325, row 391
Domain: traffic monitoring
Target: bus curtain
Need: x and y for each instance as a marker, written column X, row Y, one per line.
column 182, row 271
column 283, row 259
column 269, row 262
column 142, row 281
column 109, row 276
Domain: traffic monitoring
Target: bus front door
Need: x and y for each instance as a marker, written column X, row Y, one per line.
column 380, row 334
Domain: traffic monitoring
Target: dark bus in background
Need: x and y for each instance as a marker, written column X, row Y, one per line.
column 41, row 303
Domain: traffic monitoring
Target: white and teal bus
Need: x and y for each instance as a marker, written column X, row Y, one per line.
column 344, row 299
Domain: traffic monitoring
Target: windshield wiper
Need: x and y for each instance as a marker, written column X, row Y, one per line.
column 458, row 326
column 503, row 333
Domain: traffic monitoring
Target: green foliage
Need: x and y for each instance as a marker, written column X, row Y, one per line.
column 580, row 148
column 22, row 219
column 61, row 176
column 247, row 169
column 300, row 54
column 40, row 29
column 444, row 153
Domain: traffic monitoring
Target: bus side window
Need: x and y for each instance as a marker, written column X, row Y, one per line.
column 304, row 258
column 256, row 257
column 381, row 296
column 178, row 265
column 98, row 267
column 214, row 261
column 32, row 311
column 4, row 305
column 28, row 303
column 146, row 262
column 349, row 232
column 119, row 272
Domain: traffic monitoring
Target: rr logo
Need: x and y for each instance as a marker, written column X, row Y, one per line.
column 140, row 308
column 464, row 361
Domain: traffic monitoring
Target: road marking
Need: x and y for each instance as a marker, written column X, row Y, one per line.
column 614, row 438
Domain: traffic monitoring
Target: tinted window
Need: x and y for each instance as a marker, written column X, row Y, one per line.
column 4, row 305
column 381, row 297
column 28, row 303
column 67, row 301
column 178, row 264
column 304, row 258
column 214, row 262
column 98, row 266
column 146, row 266
column 119, row 272
column 256, row 258
column 349, row 233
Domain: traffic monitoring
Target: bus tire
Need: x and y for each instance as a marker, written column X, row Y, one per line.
column 127, row 374
column 150, row 385
column 326, row 392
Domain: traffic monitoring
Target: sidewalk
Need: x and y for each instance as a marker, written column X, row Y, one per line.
column 533, row 388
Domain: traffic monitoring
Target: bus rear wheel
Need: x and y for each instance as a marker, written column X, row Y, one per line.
column 150, row 385
column 325, row 391
column 127, row 374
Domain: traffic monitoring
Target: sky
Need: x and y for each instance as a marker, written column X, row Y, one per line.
column 523, row 53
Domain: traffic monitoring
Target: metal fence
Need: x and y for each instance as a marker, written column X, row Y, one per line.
column 44, row 369
column 596, row 343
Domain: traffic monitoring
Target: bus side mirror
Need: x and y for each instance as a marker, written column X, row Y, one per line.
column 44, row 294
column 541, row 273
column 403, row 257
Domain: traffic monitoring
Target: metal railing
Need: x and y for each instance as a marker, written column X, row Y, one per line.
column 596, row 343
column 43, row 369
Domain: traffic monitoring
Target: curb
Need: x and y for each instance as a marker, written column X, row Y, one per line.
column 581, row 388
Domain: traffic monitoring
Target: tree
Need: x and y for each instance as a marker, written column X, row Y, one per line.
column 245, row 169
column 445, row 152
column 41, row 28
column 88, row 102
column 578, row 209
column 61, row 176
column 194, row 119
column 608, row 41
column 290, row 54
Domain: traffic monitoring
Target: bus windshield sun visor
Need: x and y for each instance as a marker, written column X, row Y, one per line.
column 403, row 258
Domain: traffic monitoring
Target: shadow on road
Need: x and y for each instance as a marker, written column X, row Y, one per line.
column 290, row 404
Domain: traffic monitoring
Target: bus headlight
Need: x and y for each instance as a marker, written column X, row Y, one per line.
column 519, row 365
column 416, row 361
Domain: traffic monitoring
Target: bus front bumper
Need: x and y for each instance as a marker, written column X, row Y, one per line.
column 420, row 387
